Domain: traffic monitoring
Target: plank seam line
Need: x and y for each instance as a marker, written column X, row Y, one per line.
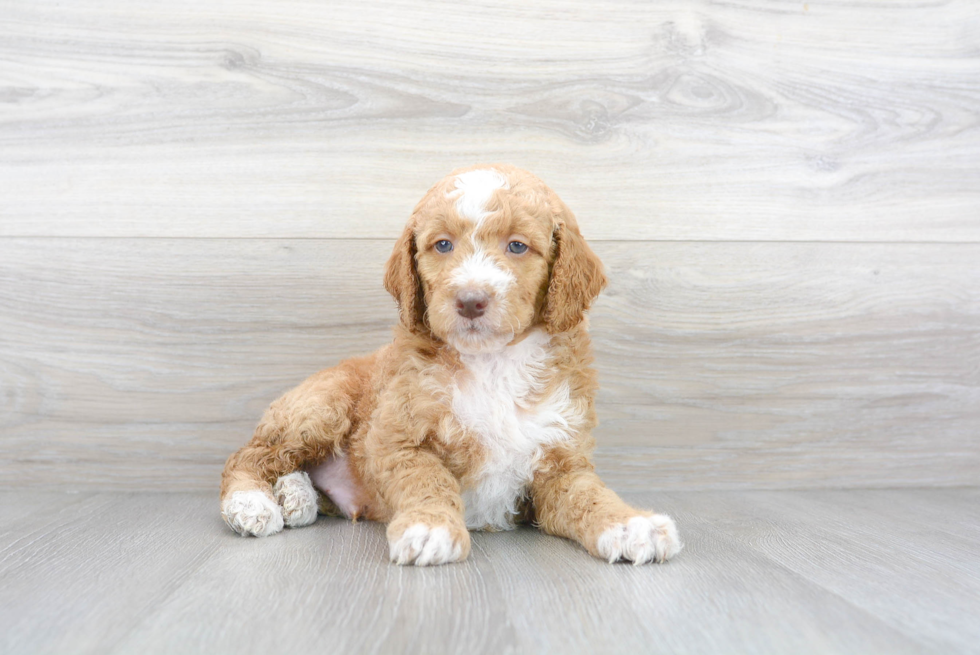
column 733, row 539
column 202, row 560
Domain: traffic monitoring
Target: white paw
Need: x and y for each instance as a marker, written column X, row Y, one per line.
column 425, row 546
column 252, row 513
column 642, row 539
column 297, row 497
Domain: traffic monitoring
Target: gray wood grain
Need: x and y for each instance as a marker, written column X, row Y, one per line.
column 921, row 580
column 716, row 597
column 726, row 159
column 85, row 577
column 136, row 364
column 667, row 120
column 960, row 515
column 761, row 572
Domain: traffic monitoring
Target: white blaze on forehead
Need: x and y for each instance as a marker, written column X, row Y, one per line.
column 480, row 270
column 473, row 191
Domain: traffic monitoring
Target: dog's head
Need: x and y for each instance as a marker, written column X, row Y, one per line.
column 489, row 252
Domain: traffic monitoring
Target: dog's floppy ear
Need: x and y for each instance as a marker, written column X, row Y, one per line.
column 402, row 281
column 576, row 276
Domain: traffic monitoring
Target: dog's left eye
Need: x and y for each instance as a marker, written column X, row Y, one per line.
column 517, row 247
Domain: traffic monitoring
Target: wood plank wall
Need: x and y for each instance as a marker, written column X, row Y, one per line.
column 196, row 201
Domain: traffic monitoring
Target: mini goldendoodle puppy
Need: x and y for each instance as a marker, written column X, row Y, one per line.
column 478, row 415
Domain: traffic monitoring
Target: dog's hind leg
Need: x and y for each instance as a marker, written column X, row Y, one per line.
column 263, row 486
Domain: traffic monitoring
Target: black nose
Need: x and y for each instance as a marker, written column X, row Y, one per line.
column 471, row 304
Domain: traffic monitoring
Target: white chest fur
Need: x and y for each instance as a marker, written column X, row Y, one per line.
column 498, row 400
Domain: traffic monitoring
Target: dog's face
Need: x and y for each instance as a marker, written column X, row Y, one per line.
column 488, row 253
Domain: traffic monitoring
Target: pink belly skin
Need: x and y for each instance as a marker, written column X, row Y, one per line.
column 335, row 478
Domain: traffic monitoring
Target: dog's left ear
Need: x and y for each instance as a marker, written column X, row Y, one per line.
column 577, row 277
column 402, row 281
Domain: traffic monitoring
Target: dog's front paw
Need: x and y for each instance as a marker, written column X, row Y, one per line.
column 297, row 497
column 640, row 540
column 425, row 545
column 252, row 514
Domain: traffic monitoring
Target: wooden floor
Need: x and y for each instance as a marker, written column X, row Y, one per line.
column 868, row 571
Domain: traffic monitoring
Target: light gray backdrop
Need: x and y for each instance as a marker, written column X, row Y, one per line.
column 197, row 199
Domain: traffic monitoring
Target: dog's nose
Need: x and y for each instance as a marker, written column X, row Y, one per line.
column 471, row 304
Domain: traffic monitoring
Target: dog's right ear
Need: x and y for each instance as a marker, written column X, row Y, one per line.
column 402, row 281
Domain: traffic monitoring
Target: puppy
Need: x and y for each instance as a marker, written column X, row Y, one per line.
column 479, row 414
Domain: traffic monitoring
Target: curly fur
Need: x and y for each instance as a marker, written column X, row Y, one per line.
column 461, row 422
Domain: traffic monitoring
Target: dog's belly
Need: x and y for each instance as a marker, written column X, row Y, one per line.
column 335, row 478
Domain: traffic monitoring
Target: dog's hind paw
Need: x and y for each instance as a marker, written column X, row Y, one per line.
column 297, row 497
column 252, row 514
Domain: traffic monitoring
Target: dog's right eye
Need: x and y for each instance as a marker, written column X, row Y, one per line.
column 444, row 245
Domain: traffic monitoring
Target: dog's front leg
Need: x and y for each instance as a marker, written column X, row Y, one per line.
column 573, row 502
column 427, row 525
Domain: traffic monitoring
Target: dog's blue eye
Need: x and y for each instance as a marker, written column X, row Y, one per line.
column 517, row 247
column 444, row 245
